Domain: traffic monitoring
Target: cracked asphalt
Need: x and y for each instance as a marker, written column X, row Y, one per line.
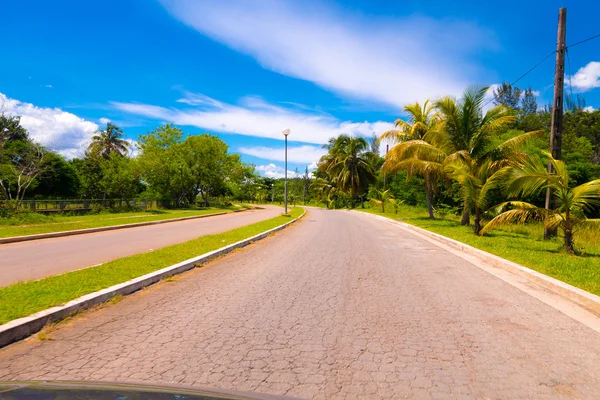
column 340, row 305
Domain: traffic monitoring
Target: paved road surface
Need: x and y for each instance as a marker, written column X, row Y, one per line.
column 340, row 305
column 40, row 258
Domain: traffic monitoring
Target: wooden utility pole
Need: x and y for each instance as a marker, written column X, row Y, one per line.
column 556, row 126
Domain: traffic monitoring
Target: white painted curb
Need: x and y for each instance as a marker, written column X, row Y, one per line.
column 584, row 299
column 50, row 235
column 26, row 326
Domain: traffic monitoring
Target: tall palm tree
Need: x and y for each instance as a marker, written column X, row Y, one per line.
column 348, row 165
column 531, row 177
column 471, row 132
column 109, row 141
column 423, row 124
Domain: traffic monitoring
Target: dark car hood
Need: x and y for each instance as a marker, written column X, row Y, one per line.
column 59, row 390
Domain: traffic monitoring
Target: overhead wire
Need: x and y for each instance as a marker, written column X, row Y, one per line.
column 583, row 41
column 524, row 75
column 545, row 58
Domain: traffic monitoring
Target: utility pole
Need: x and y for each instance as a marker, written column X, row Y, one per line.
column 556, row 126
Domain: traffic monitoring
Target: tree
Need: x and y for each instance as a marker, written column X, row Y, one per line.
column 210, row 166
column 325, row 191
column 109, row 141
column 380, row 198
column 531, row 177
column 59, row 179
column 507, row 95
column 348, row 166
column 21, row 171
column 120, row 178
column 374, row 143
column 479, row 175
column 528, row 103
column 163, row 166
column 89, row 175
column 471, row 132
column 423, row 125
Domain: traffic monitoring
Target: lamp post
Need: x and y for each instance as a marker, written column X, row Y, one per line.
column 285, row 132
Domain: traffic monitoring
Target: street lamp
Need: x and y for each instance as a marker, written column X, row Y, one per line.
column 285, row 132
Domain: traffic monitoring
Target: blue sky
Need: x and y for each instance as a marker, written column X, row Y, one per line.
column 248, row 69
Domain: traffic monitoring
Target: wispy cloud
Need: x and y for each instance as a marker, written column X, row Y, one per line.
column 388, row 60
column 255, row 117
column 586, row 78
column 273, row 171
column 52, row 127
column 296, row 154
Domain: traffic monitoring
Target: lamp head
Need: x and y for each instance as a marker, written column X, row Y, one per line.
column 286, row 132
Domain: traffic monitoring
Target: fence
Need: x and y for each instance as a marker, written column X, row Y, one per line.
column 83, row 205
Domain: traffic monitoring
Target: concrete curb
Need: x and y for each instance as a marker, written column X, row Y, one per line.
column 587, row 300
column 50, row 235
column 26, row 326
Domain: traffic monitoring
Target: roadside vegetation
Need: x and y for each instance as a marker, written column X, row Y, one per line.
column 22, row 299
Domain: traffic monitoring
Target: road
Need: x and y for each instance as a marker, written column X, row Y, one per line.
column 36, row 259
column 340, row 305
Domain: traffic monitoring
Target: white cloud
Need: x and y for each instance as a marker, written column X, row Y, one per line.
column 104, row 121
column 587, row 77
column 296, row 154
column 589, row 109
column 48, row 86
column 59, row 130
column 273, row 171
column 389, row 60
column 257, row 118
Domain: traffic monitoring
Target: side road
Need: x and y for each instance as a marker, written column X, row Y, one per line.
column 83, row 231
column 40, row 258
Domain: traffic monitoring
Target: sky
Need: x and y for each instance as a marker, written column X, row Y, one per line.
column 246, row 70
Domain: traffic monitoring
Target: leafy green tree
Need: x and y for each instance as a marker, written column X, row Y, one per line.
column 532, row 176
column 109, row 141
column 89, row 176
column 59, row 180
column 210, row 166
column 162, row 165
column 120, row 177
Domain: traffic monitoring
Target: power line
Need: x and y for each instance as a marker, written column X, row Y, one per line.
column 525, row 74
column 583, row 41
column 544, row 59
column 570, row 76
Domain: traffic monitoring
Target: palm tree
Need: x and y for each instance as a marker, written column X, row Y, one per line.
column 423, row 124
column 380, row 198
column 109, row 141
column 325, row 190
column 530, row 178
column 348, row 165
column 470, row 132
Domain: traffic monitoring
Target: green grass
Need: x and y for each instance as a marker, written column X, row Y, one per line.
column 31, row 223
column 22, row 299
column 522, row 244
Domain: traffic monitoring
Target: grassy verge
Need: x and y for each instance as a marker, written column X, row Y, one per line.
column 37, row 223
column 522, row 244
column 22, row 299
